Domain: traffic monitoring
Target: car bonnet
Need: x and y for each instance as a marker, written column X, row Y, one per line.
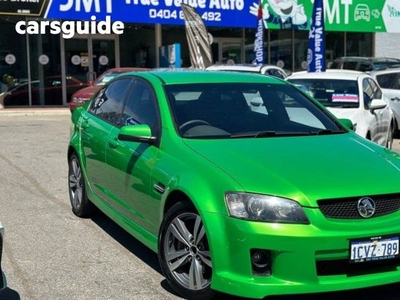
column 306, row 168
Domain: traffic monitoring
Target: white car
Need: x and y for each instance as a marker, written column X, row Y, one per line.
column 389, row 81
column 271, row 70
column 352, row 95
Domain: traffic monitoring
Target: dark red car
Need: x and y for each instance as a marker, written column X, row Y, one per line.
column 48, row 92
column 83, row 95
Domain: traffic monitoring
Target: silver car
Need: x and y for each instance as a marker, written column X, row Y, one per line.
column 389, row 81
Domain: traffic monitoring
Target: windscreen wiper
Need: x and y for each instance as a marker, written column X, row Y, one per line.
column 270, row 133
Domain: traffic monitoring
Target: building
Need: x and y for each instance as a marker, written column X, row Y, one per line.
column 48, row 44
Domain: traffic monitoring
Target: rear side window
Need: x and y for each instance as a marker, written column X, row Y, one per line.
column 335, row 64
column 350, row 65
column 107, row 104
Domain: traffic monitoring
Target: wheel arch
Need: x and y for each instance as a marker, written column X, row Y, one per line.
column 175, row 197
column 71, row 150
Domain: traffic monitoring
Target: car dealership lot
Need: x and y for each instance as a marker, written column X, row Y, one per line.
column 49, row 253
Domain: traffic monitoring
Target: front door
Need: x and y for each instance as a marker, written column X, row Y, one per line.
column 87, row 57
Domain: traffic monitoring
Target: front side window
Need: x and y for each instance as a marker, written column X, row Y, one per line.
column 239, row 110
column 141, row 107
column 389, row 81
column 368, row 93
column 376, row 91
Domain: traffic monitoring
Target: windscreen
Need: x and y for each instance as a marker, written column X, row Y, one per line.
column 229, row 110
column 332, row 93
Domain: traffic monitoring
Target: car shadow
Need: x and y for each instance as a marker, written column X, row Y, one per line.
column 133, row 245
column 9, row 294
column 390, row 291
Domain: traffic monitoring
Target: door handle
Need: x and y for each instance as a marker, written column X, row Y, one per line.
column 395, row 99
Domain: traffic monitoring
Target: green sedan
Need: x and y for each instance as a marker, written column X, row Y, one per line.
column 242, row 184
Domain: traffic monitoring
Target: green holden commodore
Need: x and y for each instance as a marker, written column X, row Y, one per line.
column 242, row 184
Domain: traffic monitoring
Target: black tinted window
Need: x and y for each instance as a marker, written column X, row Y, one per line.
column 141, row 106
column 108, row 102
column 350, row 65
column 389, row 81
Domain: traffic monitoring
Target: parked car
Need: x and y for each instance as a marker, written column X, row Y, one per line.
column 253, row 204
column 389, row 81
column 48, row 92
column 251, row 68
column 3, row 279
column 364, row 64
column 353, row 95
column 83, row 95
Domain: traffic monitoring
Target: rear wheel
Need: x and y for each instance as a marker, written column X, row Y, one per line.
column 81, row 206
column 184, row 253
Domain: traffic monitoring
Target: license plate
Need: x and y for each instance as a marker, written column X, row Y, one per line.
column 374, row 249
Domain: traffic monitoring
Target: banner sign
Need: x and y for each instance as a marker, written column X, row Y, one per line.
column 340, row 15
column 316, row 40
column 259, row 39
column 34, row 8
column 197, row 37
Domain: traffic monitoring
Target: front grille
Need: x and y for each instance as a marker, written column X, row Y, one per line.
column 344, row 267
column 346, row 208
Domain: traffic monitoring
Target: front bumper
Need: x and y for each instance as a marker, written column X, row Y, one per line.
column 305, row 258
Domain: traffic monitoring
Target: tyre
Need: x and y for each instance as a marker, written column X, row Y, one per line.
column 184, row 253
column 81, row 206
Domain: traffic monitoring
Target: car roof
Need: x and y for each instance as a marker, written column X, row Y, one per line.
column 329, row 74
column 242, row 67
column 385, row 71
column 205, row 76
column 124, row 69
column 368, row 58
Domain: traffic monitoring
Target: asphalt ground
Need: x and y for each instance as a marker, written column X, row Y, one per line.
column 48, row 253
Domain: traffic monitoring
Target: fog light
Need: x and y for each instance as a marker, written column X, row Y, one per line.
column 261, row 262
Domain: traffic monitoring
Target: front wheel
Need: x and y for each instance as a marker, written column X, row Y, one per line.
column 184, row 253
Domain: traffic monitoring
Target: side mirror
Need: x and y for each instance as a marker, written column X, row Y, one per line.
column 377, row 104
column 346, row 123
column 136, row 133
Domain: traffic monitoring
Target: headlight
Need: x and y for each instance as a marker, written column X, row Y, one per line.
column 255, row 207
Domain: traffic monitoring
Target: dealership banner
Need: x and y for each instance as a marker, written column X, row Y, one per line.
column 340, row 15
column 316, row 40
column 259, row 39
column 197, row 37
